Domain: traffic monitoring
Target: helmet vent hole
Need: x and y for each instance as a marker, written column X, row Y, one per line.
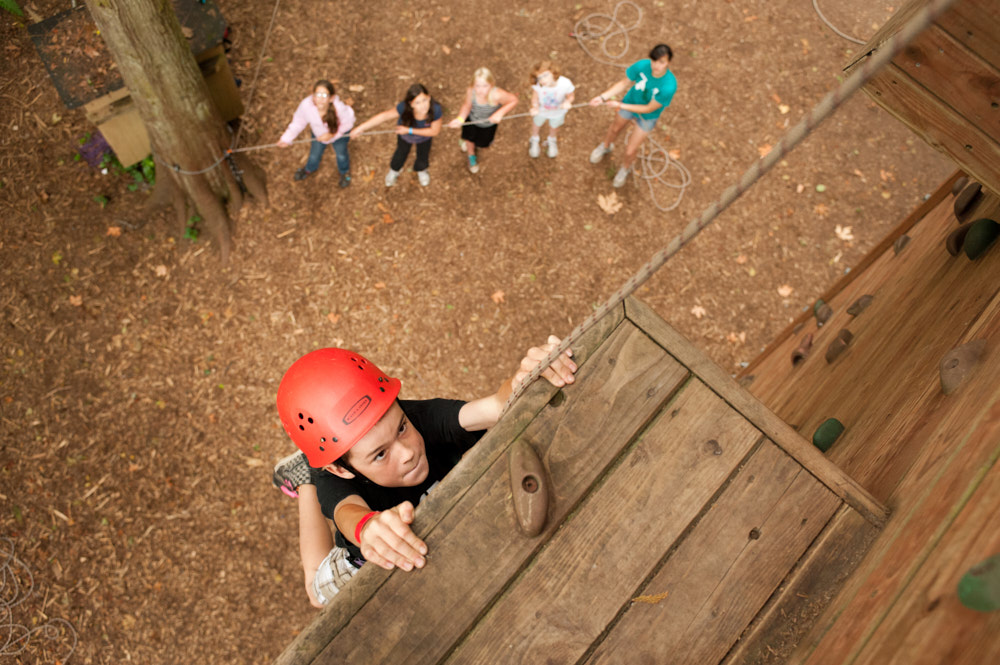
column 310, row 421
column 323, row 439
column 381, row 389
column 302, row 428
column 301, row 416
column 335, row 439
column 322, row 449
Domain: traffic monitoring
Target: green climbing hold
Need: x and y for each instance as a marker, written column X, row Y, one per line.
column 982, row 233
column 979, row 589
column 827, row 433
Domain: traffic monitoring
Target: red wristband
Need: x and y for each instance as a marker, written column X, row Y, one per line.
column 361, row 524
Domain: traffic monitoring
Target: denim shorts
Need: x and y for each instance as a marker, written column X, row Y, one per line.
column 645, row 124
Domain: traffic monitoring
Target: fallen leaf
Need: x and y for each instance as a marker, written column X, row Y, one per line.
column 860, row 175
column 445, row 19
column 356, row 87
column 610, row 203
column 741, row 259
column 836, row 259
column 774, row 96
column 799, row 189
column 369, row 229
column 381, row 206
column 368, row 176
column 114, row 231
column 651, row 599
column 674, row 154
column 785, row 290
column 887, row 176
column 821, row 188
column 447, row 51
column 333, row 318
column 160, row 270
column 764, row 149
column 736, row 338
column 253, row 461
column 784, row 108
column 698, row 311
column 188, row 32
column 379, row 285
column 76, row 301
column 497, row 297
column 843, row 232
column 821, row 209
column 387, row 219
column 56, row 118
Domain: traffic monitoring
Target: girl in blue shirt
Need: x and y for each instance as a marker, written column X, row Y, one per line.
column 650, row 88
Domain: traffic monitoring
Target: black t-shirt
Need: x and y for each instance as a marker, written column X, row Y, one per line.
column 444, row 442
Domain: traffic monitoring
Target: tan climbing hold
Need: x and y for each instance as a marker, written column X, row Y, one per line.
column 966, row 201
column 900, row 244
column 803, row 349
column 958, row 363
column 839, row 345
column 860, row 305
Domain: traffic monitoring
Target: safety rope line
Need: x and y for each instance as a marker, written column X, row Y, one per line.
column 833, row 27
column 795, row 135
column 15, row 637
column 586, row 30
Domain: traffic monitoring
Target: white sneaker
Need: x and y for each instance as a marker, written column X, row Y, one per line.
column 391, row 177
column 534, row 149
column 553, row 150
column 599, row 152
column 620, row 177
column 461, row 144
column 424, row 177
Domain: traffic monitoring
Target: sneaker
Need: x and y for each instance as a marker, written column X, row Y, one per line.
column 345, row 180
column 534, row 150
column 553, row 150
column 424, row 177
column 302, row 174
column 290, row 473
column 473, row 165
column 461, row 144
column 391, row 177
column 598, row 153
column 620, row 177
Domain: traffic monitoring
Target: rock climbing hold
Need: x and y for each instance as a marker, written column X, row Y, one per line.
column 529, row 489
column 965, row 201
column 838, row 345
column 827, row 433
column 803, row 349
column 822, row 312
column 900, row 244
column 956, row 239
column 982, row 234
column 745, row 381
column 979, row 588
column 860, row 305
column 957, row 364
column 959, row 185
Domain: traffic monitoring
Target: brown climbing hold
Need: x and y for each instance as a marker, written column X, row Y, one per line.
column 965, row 201
column 823, row 313
column 838, row 345
column 901, row 242
column 860, row 305
column 981, row 236
column 959, row 185
column 956, row 239
column 800, row 353
column 958, row 363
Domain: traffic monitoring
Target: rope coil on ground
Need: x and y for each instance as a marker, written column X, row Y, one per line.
column 16, row 584
column 795, row 135
column 587, row 29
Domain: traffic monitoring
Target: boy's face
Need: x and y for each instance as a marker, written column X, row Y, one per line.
column 391, row 454
column 660, row 66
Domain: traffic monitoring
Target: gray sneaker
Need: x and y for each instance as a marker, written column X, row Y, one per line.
column 620, row 177
column 391, row 177
column 424, row 177
column 534, row 147
column 598, row 153
column 290, row 473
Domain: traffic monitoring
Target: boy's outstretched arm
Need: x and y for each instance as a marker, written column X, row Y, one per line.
column 386, row 538
column 484, row 412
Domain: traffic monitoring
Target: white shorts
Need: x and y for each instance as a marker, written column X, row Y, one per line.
column 333, row 573
column 555, row 118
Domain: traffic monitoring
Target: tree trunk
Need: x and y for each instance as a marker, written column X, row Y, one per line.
column 185, row 129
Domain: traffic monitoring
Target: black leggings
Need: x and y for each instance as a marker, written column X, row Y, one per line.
column 403, row 151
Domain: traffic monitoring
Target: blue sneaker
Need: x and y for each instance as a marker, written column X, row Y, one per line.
column 473, row 166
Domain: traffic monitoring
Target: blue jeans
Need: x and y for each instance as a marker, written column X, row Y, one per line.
column 645, row 124
column 339, row 146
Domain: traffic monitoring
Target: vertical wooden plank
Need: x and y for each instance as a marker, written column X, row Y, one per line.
column 764, row 419
column 577, row 584
column 476, row 548
column 314, row 638
column 807, row 591
column 726, row 568
column 928, row 624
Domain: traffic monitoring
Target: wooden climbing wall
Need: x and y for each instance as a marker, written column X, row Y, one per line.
column 686, row 524
column 931, row 457
column 945, row 85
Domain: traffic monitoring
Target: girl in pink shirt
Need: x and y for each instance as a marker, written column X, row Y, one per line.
column 330, row 121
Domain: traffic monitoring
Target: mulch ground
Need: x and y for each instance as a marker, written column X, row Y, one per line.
column 139, row 374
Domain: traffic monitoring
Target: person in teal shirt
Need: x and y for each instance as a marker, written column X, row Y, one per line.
column 651, row 87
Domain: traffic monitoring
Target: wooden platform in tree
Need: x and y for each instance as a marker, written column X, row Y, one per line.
column 686, row 524
column 931, row 457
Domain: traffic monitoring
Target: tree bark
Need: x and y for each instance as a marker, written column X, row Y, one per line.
column 186, row 132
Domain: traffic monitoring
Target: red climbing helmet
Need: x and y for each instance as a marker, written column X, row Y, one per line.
column 329, row 399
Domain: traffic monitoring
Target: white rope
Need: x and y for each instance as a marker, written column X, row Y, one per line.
column 604, row 28
column 833, row 27
column 16, row 584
